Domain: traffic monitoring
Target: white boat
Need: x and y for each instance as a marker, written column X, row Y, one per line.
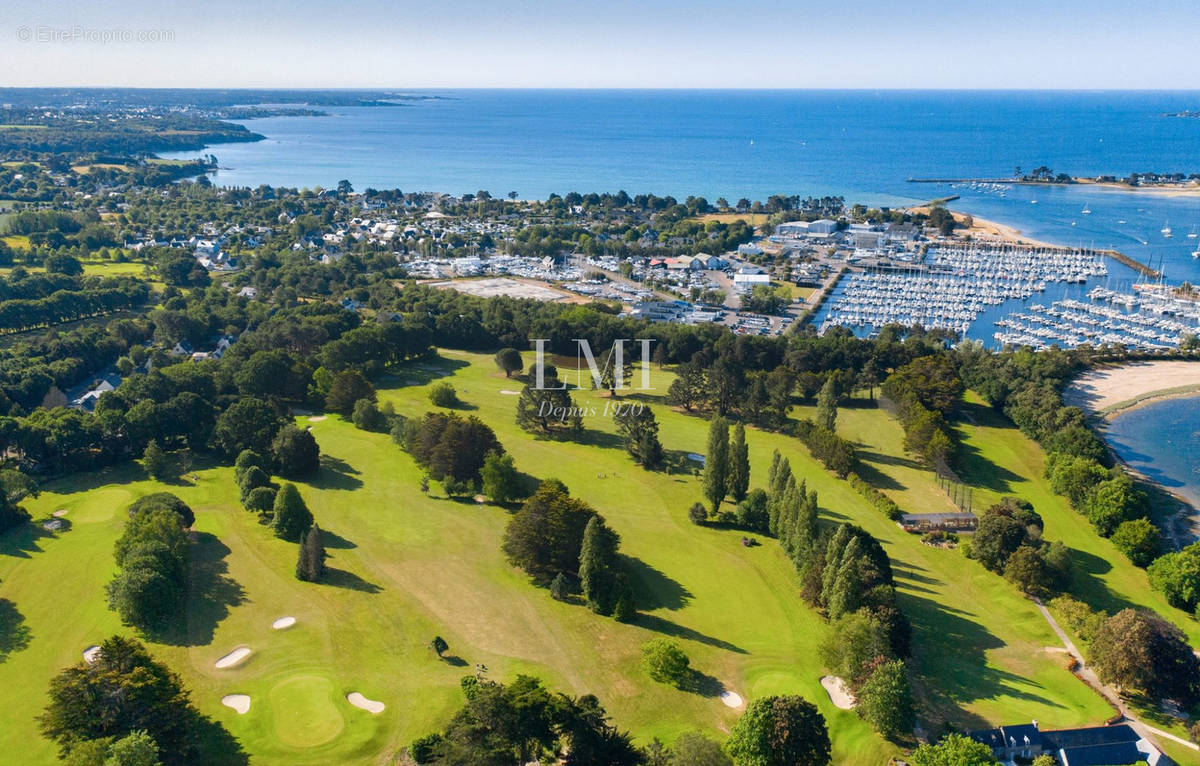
column 1192, row 234
column 1166, row 230
column 1086, row 210
column 1032, row 202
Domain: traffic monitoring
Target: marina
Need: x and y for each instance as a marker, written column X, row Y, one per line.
column 953, row 285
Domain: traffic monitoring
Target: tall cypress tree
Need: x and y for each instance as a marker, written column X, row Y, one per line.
column 597, row 562
column 716, row 463
column 739, row 465
column 774, row 468
column 827, row 404
column 311, row 564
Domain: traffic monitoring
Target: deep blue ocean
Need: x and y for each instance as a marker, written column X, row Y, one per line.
column 863, row 145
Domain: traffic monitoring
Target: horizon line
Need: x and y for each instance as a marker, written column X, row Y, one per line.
column 584, row 88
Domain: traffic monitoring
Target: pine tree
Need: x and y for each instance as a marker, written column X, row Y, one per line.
column 846, row 596
column 559, row 587
column 625, row 609
column 597, row 560
column 773, row 470
column 311, row 564
column 303, row 561
column 156, row 462
column 292, row 517
column 776, row 489
column 833, row 559
column 716, row 463
column 827, row 404
column 739, row 465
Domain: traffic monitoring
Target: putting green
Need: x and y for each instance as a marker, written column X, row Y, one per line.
column 303, row 711
column 99, row 505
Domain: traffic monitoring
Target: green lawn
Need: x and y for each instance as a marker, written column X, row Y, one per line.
column 998, row 460
column 406, row 566
column 982, row 651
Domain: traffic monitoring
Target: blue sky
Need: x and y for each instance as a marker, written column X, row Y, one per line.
column 603, row 43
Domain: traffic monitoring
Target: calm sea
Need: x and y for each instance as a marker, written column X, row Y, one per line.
column 1162, row 440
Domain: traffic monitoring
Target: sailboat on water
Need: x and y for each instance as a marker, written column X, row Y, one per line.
column 1192, row 234
column 1166, row 230
column 1086, row 210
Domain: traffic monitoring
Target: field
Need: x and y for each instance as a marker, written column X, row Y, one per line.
column 753, row 219
column 407, row 566
column 96, row 266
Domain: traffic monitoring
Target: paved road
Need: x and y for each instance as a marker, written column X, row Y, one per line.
column 1085, row 673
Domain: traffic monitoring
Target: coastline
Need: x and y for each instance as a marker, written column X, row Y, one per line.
column 1187, row 190
column 1112, row 411
column 1108, row 392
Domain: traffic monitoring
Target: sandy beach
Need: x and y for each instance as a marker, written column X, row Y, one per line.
column 1109, row 390
column 1189, row 190
column 982, row 227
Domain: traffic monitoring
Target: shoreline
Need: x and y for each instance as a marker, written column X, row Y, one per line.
column 1174, row 190
column 1113, row 411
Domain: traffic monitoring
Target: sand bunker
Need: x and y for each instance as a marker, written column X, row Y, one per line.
column 91, row 654
column 234, row 657
column 506, row 392
column 732, row 699
column 59, row 513
column 317, row 418
column 839, row 695
column 283, row 622
column 359, row 701
column 239, row 702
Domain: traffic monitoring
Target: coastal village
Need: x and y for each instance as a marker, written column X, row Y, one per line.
column 849, row 270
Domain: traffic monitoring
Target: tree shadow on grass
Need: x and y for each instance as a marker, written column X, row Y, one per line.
column 336, row 473
column 217, row 746
column 14, row 633
column 977, row 470
column 594, row 438
column 654, row 589
column 335, row 541
column 340, row 578
column 23, row 540
column 666, row 627
column 950, row 665
column 454, row 661
column 1087, row 586
column 421, row 372
column 872, row 475
column 211, row 593
column 702, row 684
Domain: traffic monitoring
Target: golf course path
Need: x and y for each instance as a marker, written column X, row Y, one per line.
column 1089, row 677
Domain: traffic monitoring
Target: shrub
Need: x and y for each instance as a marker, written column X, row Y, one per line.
column 882, row 502
column 367, row 417
column 260, row 499
column 164, row 500
column 698, row 513
column 442, row 394
column 665, row 662
column 1139, row 540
